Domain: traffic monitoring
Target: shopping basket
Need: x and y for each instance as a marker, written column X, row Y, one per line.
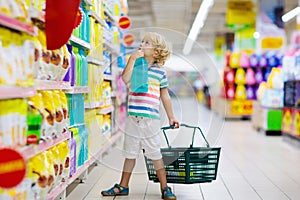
column 187, row 165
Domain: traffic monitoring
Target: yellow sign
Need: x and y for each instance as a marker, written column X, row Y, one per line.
column 242, row 107
column 240, row 12
column 272, row 43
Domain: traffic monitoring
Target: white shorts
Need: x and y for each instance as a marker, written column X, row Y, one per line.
column 142, row 134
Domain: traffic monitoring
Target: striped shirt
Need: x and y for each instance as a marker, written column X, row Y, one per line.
column 147, row 104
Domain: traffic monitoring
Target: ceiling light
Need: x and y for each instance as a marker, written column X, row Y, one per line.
column 291, row 14
column 256, row 35
column 197, row 25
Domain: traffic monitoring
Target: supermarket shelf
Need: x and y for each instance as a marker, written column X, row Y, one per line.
column 108, row 77
column 33, row 150
column 76, row 125
column 106, row 11
column 10, row 92
column 97, row 18
column 63, row 186
column 94, row 61
column 77, row 90
column 56, row 191
column 16, row 24
column 92, row 105
column 111, row 47
column 105, row 110
column 79, row 42
column 51, row 85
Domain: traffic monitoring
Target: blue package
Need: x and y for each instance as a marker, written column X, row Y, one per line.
column 139, row 77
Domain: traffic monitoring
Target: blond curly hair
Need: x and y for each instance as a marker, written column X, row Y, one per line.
column 162, row 48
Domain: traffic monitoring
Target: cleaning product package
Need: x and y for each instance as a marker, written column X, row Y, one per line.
column 139, row 77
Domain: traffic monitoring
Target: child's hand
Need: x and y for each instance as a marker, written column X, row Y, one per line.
column 137, row 54
column 174, row 122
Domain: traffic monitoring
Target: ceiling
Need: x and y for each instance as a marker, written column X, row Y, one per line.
column 176, row 17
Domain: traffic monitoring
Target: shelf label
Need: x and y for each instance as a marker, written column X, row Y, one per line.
column 12, row 168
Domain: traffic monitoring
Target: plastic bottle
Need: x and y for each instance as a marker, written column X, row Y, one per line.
column 78, row 66
column 87, row 27
column 71, row 74
column 139, row 77
column 72, row 144
column 83, row 25
column 84, row 68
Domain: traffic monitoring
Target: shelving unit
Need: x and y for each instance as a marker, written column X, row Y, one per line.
column 94, row 61
column 51, row 85
column 16, row 24
column 97, row 18
column 75, row 96
column 33, row 150
column 105, row 110
column 10, row 92
column 77, row 90
column 62, row 187
column 80, row 43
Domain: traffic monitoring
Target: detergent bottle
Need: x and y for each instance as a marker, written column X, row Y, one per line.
column 139, row 77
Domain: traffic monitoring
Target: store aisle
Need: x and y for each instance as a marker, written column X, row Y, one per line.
column 252, row 165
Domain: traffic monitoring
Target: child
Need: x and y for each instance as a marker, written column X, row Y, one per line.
column 142, row 128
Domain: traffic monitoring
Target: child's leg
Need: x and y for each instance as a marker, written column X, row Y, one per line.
column 127, row 171
column 160, row 172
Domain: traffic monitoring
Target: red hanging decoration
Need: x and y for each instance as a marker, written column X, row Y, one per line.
column 78, row 18
column 60, row 21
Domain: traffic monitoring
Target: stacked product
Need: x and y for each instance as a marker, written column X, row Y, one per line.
column 242, row 76
column 267, row 113
column 291, row 111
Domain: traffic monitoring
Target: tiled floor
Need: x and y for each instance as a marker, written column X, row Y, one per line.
column 252, row 165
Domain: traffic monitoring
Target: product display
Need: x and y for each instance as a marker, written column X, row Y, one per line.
column 54, row 126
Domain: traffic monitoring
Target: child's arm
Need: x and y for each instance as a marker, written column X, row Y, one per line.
column 167, row 103
column 127, row 72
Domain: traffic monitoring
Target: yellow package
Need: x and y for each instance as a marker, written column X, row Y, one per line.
column 65, row 158
column 37, row 64
column 50, row 169
column 55, row 64
column 19, row 10
column 37, row 172
column 59, row 116
column 20, row 122
column 28, row 51
column 5, row 7
column 36, row 106
column 64, row 105
column 55, row 165
column 62, row 69
column 50, row 117
column 6, row 123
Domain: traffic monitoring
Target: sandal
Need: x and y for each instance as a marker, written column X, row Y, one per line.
column 123, row 191
column 166, row 194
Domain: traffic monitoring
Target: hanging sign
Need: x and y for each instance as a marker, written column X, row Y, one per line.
column 240, row 14
column 59, row 22
column 12, row 168
column 124, row 22
column 128, row 39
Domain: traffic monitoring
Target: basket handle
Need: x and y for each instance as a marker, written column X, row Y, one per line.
column 188, row 126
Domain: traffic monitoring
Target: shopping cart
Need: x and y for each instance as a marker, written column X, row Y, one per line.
column 187, row 165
